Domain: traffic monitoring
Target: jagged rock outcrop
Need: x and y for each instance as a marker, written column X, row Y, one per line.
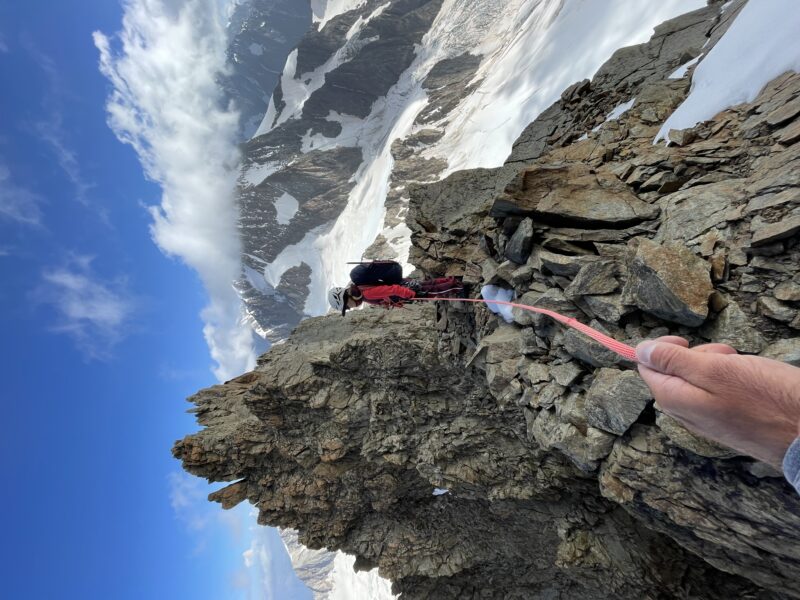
column 349, row 444
column 563, row 478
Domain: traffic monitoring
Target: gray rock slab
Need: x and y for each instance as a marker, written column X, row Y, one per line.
column 670, row 282
column 519, row 246
column 787, row 351
column 775, row 309
column 572, row 192
column 598, row 277
column 766, row 233
column 733, row 327
column 683, row 438
column 615, row 400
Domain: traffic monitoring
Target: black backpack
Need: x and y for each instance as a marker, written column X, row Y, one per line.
column 385, row 272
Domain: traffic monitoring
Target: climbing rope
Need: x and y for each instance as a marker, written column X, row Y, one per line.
column 623, row 350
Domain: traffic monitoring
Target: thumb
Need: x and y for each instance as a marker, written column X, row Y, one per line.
column 670, row 359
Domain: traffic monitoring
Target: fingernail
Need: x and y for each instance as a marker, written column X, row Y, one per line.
column 644, row 350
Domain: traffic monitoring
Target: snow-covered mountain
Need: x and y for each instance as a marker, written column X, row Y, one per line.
column 331, row 575
column 382, row 94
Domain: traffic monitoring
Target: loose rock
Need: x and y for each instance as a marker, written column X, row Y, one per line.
column 787, row 351
column 670, row 282
column 733, row 327
column 615, row 400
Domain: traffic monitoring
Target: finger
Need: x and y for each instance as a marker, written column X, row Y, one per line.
column 715, row 349
column 675, row 396
column 673, row 339
column 698, row 368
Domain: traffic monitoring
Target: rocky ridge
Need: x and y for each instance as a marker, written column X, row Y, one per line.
column 563, row 478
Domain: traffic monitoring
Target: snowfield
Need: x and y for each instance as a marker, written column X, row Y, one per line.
column 760, row 45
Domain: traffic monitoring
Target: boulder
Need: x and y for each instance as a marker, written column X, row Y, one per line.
column 552, row 299
column 775, row 309
column 733, row 327
column 598, row 277
column 585, row 450
column 518, row 247
column 787, row 291
column 566, row 373
column 561, row 264
column 787, row 351
column 688, row 214
column 615, row 400
column 670, row 282
column 572, row 192
column 683, row 438
column 588, row 350
column 609, row 308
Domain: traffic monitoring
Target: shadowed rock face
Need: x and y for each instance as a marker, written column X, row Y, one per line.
column 564, row 479
column 344, row 432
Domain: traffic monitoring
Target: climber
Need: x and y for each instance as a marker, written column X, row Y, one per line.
column 381, row 283
column 748, row 403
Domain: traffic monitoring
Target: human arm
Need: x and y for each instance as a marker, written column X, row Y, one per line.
column 748, row 403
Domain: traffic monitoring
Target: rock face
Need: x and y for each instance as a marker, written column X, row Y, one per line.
column 572, row 193
column 562, row 478
column 349, row 444
column 669, row 281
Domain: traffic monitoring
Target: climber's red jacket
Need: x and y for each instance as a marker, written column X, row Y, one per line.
column 386, row 295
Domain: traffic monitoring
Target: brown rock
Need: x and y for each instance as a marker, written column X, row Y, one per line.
column 682, row 137
column 790, row 134
column 772, row 232
column 669, row 281
column 788, row 291
column 572, row 192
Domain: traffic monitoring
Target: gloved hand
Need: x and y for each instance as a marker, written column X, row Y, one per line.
column 748, row 403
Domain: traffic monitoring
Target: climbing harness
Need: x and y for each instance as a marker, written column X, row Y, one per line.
column 625, row 351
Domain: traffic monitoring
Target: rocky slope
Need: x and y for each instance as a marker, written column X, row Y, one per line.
column 563, row 478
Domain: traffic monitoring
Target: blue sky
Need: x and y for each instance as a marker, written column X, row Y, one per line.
column 102, row 340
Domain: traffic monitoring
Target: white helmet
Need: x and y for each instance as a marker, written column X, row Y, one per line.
column 338, row 299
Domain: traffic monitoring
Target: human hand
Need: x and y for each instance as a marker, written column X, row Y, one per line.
column 748, row 403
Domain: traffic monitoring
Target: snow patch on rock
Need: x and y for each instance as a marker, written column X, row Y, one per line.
column 759, row 45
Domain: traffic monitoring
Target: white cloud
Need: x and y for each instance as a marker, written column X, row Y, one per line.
column 18, row 203
column 95, row 313
column 166, row 103
column 51, row 130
